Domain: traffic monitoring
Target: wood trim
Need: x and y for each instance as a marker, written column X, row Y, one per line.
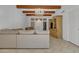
column 39, row 6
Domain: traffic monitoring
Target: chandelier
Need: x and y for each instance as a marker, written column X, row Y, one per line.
column 39, row 11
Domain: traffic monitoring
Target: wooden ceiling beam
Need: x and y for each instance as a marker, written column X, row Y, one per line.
column 47, row 15
column 28, row 11
column 30, row 15
column 34, row 11
column 38, row 6
column 49, row 11
column 38, row 15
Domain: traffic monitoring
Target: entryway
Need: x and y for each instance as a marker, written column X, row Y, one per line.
column 56, row 27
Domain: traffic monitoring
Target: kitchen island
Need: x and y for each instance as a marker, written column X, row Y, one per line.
column 23, row 39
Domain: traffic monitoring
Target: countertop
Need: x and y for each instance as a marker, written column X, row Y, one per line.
column 23, row 32
column 8, row 31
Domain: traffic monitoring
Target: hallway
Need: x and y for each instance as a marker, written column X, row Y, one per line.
column 56, row 46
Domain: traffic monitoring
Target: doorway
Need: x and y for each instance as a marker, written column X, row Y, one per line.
column 56, row 27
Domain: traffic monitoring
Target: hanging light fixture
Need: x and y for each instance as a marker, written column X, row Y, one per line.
column 39, row 11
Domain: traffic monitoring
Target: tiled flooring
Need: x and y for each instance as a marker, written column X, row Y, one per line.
column 56, row 46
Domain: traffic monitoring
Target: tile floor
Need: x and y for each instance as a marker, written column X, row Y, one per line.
column 56, row 46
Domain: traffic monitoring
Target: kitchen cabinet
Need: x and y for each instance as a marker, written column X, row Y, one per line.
column 7, row 41
column 32, row 41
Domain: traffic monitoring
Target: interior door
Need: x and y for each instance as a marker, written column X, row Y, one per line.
column 74, row 27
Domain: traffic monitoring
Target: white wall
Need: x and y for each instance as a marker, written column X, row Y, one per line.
column 65, row 23
column 10, row 18
column 71, row 24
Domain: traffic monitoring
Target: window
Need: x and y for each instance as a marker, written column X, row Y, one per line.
column 39, row 24
column 44, row 26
